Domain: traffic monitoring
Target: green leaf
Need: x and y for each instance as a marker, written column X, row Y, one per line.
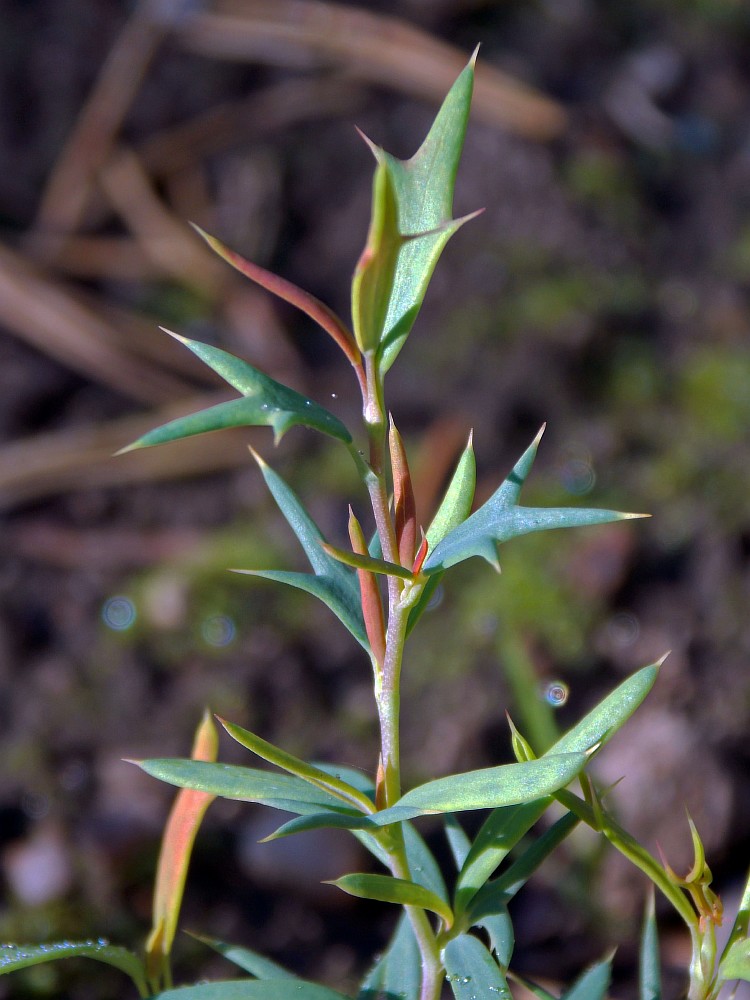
column 257, row 965
column 14, row 957
column 499, row 927
column 333, row 583
column 373, row 280
column 423, row 188
column 489, row 787
column 501, row 519
column 495, row 895
column 397, row 974
column 471, row 970
column 649, row 965
column 308, row 772
column 741, row 924
column 736, row 962
column 592, row 984
column 279, row 791
column 458, row 840
column 252, row 989
column 264, row 403
column 401, row 891
column 369, row 563
column 317, row 821
column 505, row 827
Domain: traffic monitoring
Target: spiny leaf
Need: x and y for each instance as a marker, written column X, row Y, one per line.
column 264, row 403
column 501, row 519
column 401, row 891
column 314, row 308
column 332, row 582
column 14, row 957
column 423, row 188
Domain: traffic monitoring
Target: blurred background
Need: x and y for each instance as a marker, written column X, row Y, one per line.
column 605, row 290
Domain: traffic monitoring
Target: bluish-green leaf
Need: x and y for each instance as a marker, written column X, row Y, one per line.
column 736, row 962
column 402, row 892
column 333, row 582
column 350, row 796
column 279, row 791
column 14, row 957
column 499, row 927
column 424, row 187
column 252, row 989
column 504, row 828
column 397, row 974
column 472, row 972
column 264, row 403
column 592, row 984
column 244, row 958
column 649, row 965
column 458, row 840
column 489, row 787
column 500, row 519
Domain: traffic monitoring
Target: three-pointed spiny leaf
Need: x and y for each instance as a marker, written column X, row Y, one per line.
column 423, row 187
column 501, row 519
column 332, row 582
column 264, row 403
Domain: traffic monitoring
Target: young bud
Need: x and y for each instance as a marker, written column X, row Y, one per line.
column 405, row 511
column 372, row 605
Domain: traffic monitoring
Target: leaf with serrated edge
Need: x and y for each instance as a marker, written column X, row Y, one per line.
column 471, row 970
column 14, row 957
column 504, row 828
column 424, row 187
column 500, row 519
column 264, row 402
column 400, row 891
column 333, row 583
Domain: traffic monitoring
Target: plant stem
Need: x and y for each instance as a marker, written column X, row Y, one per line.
column 388, row 675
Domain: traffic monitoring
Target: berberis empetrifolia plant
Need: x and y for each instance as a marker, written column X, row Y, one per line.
column 455, row 927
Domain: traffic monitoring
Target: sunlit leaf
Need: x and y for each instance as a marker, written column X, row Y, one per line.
column 14, row 957
column 471, row 970
column 500, row 519
column 279, row 791
column 423, row 188
column 387, row 889
column 308, row 772
column 736, row 962
column 332, row 582
column 504, row 828
column 264, row 403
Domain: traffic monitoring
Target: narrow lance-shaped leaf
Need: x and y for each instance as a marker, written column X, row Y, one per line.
column 423, row 187
column 592, row 984
column 314, row 308
column 404, row 506
column 649, row 965
column 398, row 972
column 454, row 508
column 14, row 957
column 174, row 859
column 501, row 519
column 248, row 960
column 394, row 890
column 252, row 989
column 372, row 604
column 264, row 403
column 472, row 971
column 342, row 790
column 332, row 582
column 368, row 563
